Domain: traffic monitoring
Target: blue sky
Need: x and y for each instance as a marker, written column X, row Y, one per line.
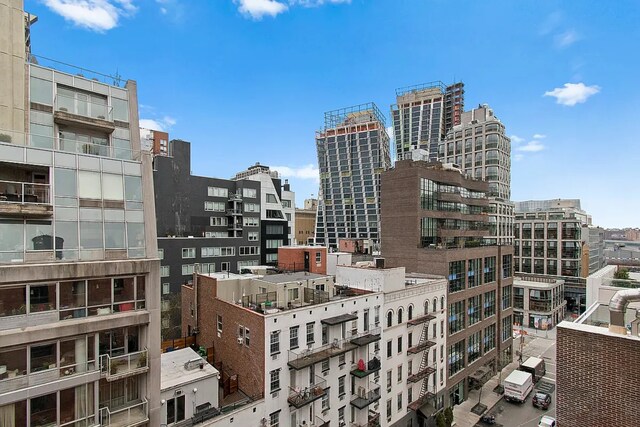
column 249, row 80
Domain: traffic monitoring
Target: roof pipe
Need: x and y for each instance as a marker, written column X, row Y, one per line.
column 618, row 308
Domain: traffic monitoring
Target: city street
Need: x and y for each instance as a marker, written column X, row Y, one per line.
column 542, row 345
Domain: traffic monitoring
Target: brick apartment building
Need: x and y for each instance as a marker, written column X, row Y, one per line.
column 303, row 258
column 434, row 220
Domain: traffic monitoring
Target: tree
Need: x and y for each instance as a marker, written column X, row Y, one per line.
column 171, row 317
column 440, row 421
column 621, row 273
column 448, row 416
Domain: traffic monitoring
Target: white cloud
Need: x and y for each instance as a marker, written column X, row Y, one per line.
column 516, row 139
column 518, row 157
column 96, row 15
column 163, row 124
column 257, row 9
column 573, row 93
column 531, row 146
column 566, row 39
column 539, row 136
column 305, row 172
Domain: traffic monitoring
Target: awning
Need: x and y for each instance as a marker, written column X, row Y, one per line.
column 339, row 319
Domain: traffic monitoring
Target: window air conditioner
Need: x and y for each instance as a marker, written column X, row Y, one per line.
column 240, row 340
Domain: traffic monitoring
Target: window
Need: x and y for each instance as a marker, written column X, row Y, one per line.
column 275, row 229
column 456, row 317
column 165, row 289
column 274, row 419
column 318, row 258
column 274, row 345
column 473, row 310
column 400, row 315
column 217, row 192
column 252, row 236
column 219, row 318
column 188, row 253
column 399, row 345
column 251, row 193
column 489, row 269
column 271, row 198
column 341, row 386
column 442, row 303
column 250, row 222
column 215, row 206
column 274, row 243
column 389, row 380
column 286, row 204
column 389, row 410
column 474, row 277
column 251, row 207
column 341, row 360
column 506, row 297
column 293, row 337
column 249, row 250
column 175, row 410
column 208, row 267
column 399, row 401
column 456, row 358
column 489, row 304
column 389, row 348
column 456, row 276
column 507, row 266
column 310, row 337
column 325, row 401
column 410, row 312
column 247, row 337
column 217, row 252
column 341, row 416
column 400, row 373
column 506, row 328
column 473, row 350
column 187, row 269
column 389, row 319
column 274, row 214
column 164, row 271
column 161, row 254
column 274, row 377
column 216, row 221
column 489, row 337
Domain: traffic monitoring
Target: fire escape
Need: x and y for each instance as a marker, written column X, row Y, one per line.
column 425, row 370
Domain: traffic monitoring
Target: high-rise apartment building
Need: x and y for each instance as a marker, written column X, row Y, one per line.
column 480, row 147
column 423, row 114
column 353, row 150
column 79, row 295
column 434, row 220
column 549, row 238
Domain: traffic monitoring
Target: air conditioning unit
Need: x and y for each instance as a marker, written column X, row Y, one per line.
column 240, row 340
column 362, row 392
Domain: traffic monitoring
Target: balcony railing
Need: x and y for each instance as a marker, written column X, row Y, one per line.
column 370, row 367
column 24, row 192
column 84, row 107
column 123, row 366
column 234, row 211
column 373, row 421
column 366, row 337
column 133, row 414
column 420, row 347
column 420, row 320
column 420, row 374
column 418, row 403
column 365, row 396
column 298, row 397
column 303, row 358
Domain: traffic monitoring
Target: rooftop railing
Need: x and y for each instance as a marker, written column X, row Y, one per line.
column 122, row 366
column 76, row 71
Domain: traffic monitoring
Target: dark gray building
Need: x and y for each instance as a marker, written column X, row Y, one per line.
column 208, row 221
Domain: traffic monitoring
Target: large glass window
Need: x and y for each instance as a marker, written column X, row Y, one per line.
column 43, row 357
column 120, row 109
column 474, row 310
column 15, row 362
column 135, row 235
column 73, row 297
column 41, row 91
column 133, row 188
column 456, row 357
column 114, row 235
column 13, row 301
column 489, row 304
column 474, row 272
column 65, row 182
column 39, row 235
column 428, row 189
column 112, row 187
column 506, row 297
column 44, row 410
column 456, row 276
column 489, row 338
column 473, row 348
column 428, row 231
column 507, row 266
column 506, row 328
column 91, row 235
column 42, row 297
column 89, row 186
column 489, row 269
column 456, row 317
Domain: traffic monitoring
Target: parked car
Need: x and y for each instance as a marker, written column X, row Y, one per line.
column 547, row 421
column 541, row 400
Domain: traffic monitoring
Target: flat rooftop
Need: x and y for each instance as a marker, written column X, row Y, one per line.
column 536, row 284
column 292, row 277
column 173, row 372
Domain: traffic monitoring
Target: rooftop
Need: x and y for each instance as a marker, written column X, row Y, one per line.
column 537, row 282
column 292, row 277
column 181, row 367
column 362, row 113
column 76, row 71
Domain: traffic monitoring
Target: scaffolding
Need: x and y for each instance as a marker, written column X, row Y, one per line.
column 356, row 114
column 437, row 84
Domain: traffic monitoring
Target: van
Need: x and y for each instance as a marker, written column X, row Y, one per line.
column 517, row 386
column 535, row 366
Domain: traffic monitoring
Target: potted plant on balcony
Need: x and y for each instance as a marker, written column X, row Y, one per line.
column 142, row 360
column 113, row 368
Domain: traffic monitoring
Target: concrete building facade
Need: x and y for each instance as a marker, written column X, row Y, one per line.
column 480, row 147
column 353, row 150
column 79, row 295
column 434, row 220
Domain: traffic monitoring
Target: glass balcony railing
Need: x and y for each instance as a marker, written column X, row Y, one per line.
column 131, row 414
column 24, row 192
column 91, row 108
column 123, row 366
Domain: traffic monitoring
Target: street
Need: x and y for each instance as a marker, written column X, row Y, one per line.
column 508, row 414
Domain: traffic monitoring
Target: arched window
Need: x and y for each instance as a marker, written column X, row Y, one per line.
column 410, row 313
column 435, row 304
column 426, row 307
column 389, row 318
column 399, row 315
column 441, row 303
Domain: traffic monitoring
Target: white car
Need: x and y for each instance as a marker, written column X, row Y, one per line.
column 547, row 421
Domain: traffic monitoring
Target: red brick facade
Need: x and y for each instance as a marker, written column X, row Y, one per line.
column 247, row 361
column 598, row 378
column 292, row 258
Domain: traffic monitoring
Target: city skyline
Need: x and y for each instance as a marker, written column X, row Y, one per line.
column 553, row 73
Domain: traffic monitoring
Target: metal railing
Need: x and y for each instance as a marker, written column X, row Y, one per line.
column 83, row 107
column 129, row 415
column 75, row 71
column 67, row 145
column 366, row 396
column 127, row 364
column 24, row 192
column 301, row 396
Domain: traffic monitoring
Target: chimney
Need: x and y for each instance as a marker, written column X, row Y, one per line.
column 618, row 308
column 286, row 185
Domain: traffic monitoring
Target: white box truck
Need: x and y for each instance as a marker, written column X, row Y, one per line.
column 517, row 386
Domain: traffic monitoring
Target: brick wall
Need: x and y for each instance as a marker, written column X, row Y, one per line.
column 245, row 361
column 292, row 258
column 598, row 379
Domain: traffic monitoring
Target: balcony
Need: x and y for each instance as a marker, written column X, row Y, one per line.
column 420, row 320
column 76, row 111
column 25, row 199
column 234, row 212
column 420, row 347
column 235, row 226
column 299, row 397
column 420, row 375
column 304, row 358
column 415, row 405
column 373, row 421
column 364, row 397
column 130, row 415
column 369, row 368
column 319, row 422
column 114, row 368
column 366, row 337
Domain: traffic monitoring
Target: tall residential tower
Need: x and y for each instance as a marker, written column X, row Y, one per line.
column 353, row 150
